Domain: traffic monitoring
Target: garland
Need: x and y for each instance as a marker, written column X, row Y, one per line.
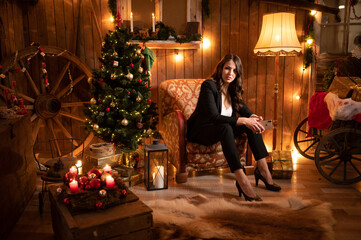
column 310, row 46
column 163, row 32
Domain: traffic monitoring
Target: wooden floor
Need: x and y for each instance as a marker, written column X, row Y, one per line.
column 306, row 183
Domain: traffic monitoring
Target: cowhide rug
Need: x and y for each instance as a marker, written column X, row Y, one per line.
column 202, row 218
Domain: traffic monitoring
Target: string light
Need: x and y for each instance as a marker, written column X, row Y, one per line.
column 111, row 19
column 341, row 7
column 309, row 41
column 313, row 12
column 178, row 56
column 297, row 97
column 206, row 43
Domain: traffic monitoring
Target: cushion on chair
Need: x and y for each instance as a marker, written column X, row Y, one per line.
column 181, row 94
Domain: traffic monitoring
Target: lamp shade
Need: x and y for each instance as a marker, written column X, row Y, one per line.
column 278, row 35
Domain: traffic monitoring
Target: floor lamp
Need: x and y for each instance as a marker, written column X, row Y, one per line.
column 278, row 38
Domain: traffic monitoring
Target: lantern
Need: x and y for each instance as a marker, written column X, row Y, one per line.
column 156, row 166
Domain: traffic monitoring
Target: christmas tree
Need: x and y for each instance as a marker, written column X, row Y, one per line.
column 121, row 110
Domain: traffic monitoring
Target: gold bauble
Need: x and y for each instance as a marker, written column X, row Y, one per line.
column 130, row 76
column 140, row 69
column 138, row 51
column 149, row 131
column 124, row 122
column 138, row 99
column 115, row 54
column 142, row 56
column 112, row 104
column 95, row 126
column 93, row 101
column 102, row 193
column 90, row 80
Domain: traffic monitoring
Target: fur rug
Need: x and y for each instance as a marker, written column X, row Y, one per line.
column 202, row 218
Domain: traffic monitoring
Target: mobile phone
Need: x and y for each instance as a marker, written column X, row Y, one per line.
column 267, row 124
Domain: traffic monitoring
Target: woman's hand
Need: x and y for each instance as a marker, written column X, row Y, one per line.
column 259, row 118
column 252, row 123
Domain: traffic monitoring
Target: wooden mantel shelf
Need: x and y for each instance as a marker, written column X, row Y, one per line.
column 158, row 44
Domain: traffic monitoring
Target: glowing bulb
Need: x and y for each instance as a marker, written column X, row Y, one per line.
column 111, row 19
column 341, row 7
column 278, row 37
column 206, row 43
column 297, row 97
column 178, row 57
column 302, row 69
column 309, row 41
column 313, row 12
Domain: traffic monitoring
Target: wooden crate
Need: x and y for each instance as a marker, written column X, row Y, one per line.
column 282, row 164
column 129, row 221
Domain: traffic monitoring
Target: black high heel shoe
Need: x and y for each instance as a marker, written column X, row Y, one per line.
column 272, row 187
column 249, row 199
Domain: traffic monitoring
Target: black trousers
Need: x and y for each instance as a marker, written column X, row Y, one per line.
column 226, row 134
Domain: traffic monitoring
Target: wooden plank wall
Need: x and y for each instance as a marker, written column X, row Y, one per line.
column 233, row 26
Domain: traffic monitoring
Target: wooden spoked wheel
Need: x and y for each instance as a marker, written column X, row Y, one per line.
column 306, row 146
column 343, row 150
column 56, row 111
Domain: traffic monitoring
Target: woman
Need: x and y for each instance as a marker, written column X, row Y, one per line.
column 221, row 115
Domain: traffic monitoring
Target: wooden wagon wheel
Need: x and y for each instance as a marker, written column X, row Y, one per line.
column 306, row 145
column 343, row 146
column 57, row 110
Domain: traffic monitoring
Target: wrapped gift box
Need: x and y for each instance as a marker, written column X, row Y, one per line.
column 346, row 87
column 282, row 164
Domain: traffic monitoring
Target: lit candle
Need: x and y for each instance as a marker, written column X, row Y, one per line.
column 109, row 181
column 159, row 177
column 79, row 166
column 131, row 22
column 73, row 170
column 153, row 22
column 107, row 168
column 74, row 188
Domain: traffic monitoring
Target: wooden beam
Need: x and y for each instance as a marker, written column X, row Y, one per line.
column 303, row 5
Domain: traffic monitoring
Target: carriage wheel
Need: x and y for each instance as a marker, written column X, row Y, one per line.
column 306, row 145
column 343, row 148
column 56, row 111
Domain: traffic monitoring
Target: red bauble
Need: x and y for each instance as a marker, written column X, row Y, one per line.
column 99, row 99
column 96, row 171
column 107, row 109
column 68, row 177
column 100, row 66
column 139, row 80
column 146, row 85
column 124, row 193
column 150, row 101
column 95, row 183
column 99, row 205
column 128, row 92
column 83, row 181
column 66, row 201
column 88, row 187
column 131, row 65
column 101, row 80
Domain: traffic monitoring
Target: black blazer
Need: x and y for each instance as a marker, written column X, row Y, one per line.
column 208, row 110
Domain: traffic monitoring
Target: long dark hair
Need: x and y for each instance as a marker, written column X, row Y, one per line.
column 235, row 88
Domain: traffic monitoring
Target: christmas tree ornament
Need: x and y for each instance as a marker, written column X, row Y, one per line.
column 101, row 114
column 149, row 131
column 131, row 65
column 99, row 99
column 130, row 76
column 107, row 109
column 99, row 205
column 103, row 193
column 124, row 193
column 113, row 76
column 100, row 66
column 93, row 101
column 95, row 126
column 115, row 54
column 139, row 80
column 129, row 93
column 90, row 80
column 112, row 104
column 142, row 56
column 146, row 85
column 140, row 69
column 140, row 125
column 138, row 51
column 149, row 100
column 138, row 99
column 124, row 122
column 59, row 190
column 101, row 80
column 115, row 63
column 103, row 43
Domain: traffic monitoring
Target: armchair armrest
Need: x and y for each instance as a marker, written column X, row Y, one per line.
column 173, row 131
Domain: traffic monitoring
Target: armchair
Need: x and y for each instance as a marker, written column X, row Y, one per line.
column 178, row 100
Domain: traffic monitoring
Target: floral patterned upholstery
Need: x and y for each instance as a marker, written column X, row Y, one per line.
column 179, row 99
